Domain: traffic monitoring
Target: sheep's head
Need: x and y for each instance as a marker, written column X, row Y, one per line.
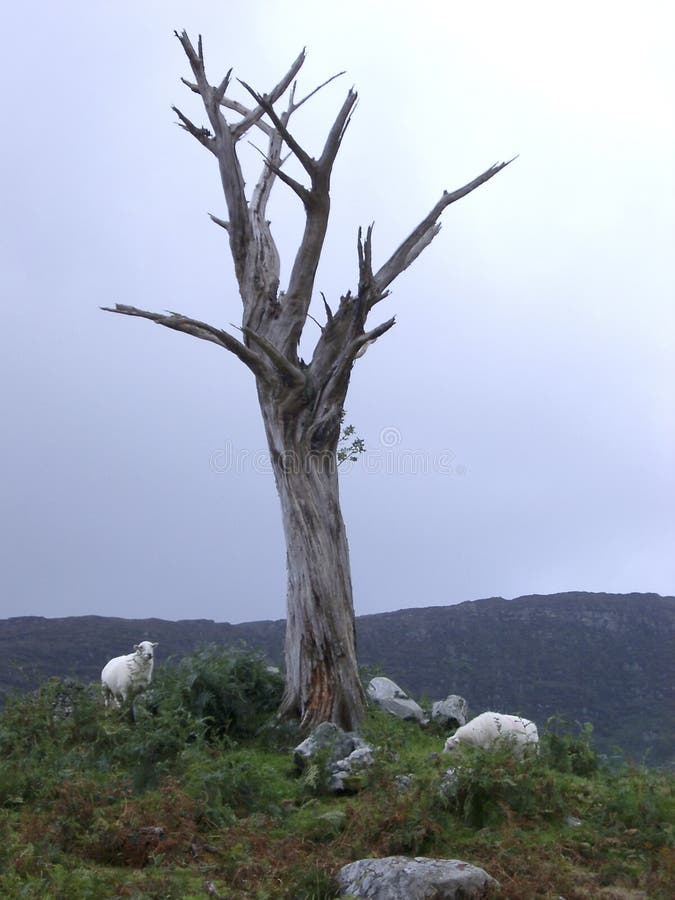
column 451, row 744
column 145, row 649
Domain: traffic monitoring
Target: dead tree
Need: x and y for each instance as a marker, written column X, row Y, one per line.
column 301, row 403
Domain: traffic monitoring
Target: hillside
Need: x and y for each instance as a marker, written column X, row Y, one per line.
column 197, row 794
column 603, row 658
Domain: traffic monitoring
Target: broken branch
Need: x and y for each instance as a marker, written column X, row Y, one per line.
column 202, row 134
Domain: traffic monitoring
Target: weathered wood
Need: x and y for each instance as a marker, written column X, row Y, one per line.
column 301, row 404
column 322, row 680
column 202, row 330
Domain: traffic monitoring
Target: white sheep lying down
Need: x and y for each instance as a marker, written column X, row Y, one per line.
column 490, row 729
column 126, row 675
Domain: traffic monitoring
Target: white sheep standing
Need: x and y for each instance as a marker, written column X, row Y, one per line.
column 491, row 729
column 127, row 675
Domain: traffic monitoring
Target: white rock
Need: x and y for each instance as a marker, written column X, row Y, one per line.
column 389, row 696
column 402, row 878
column 453, row 711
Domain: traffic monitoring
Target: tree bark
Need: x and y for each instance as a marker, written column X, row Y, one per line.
column 302, row 404
column 322, row 681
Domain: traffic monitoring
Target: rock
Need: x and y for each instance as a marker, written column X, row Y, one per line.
column 404, row 782
column 402, row 878
column 453, row 711
column 357, row 759
column 346, row 756
column 447, row 789
column 348, row 774
column 389, row 696
column 572, row 822
column 71, row 692
column 328, row 738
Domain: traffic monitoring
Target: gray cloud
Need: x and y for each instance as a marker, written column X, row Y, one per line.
column 534, row 339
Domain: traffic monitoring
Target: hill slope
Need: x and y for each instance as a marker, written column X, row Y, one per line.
column 603, row 658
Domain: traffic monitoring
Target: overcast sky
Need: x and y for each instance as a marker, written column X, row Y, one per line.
column 519, row 418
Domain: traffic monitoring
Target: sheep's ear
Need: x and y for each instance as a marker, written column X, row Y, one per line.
column 156, row 644
column 136, row 647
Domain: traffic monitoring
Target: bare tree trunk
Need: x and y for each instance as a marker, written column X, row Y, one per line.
column 301, row 404
column 322, row 681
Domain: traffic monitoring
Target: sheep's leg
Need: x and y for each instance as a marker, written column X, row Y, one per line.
column 110, row 699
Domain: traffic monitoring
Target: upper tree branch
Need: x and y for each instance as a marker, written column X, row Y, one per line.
column 316, row 201
column 273, row 168
column 236, row 106
column 347, row 327
column 359, row 344
column 425, row 232
column 223, row 145
column 203, row 135
column 337, row 132
column 254, row 116
column 315, row 91
column 265, row 103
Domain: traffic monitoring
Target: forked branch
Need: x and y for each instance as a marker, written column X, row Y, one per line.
column 254, row 116
column 264, row 103
column 348, row 326
column 291, row 374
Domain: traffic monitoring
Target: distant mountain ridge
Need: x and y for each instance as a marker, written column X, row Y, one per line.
column 603, row 658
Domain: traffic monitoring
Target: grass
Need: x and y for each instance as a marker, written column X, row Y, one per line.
column 197, row 796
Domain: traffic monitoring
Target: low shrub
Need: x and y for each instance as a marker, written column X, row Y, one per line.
column 485, row 786
column 232, row 692
column 568, row 747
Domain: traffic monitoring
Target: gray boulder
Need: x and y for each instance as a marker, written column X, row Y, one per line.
column 453, row 711
column 328, row 738
column 404, row 782
column 389, row 696
column 447, row 790
column 346, row 756
column 349, row 774
column 402, row 878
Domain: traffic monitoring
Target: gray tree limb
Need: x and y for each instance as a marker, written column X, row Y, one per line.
column 202, row 330
column 427, row 230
